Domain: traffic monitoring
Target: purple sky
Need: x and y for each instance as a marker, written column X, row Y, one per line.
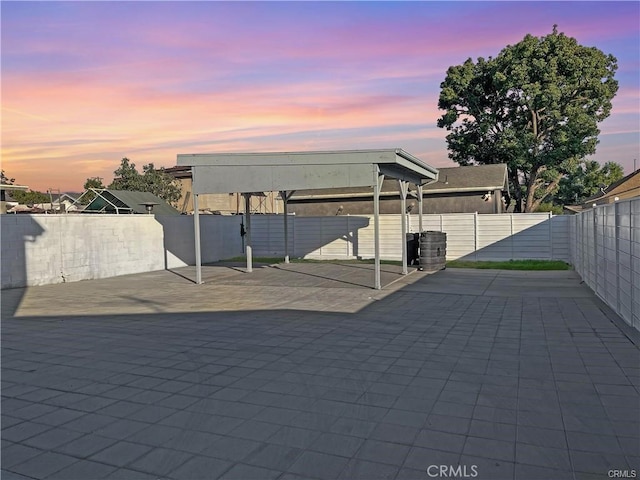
column 87, row 83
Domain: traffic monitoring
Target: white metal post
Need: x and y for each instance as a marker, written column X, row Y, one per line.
column 403, row 205
column 419, row 208
column 248, row 249
column 285, row 199
column 616, row 219
column 196, row 231
column 376, row 225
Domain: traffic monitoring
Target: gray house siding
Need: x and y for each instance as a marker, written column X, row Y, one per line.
column 466, row 202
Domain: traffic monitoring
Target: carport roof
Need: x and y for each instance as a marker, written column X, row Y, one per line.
column 277, row 171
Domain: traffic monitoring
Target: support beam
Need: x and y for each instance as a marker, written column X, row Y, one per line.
column 196, row 232
column 248, row 248
column 404, row 187
column 286, row 195
column 376, row 226
column 420, row 209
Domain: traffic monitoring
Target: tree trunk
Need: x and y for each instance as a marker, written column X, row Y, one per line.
column 531, row 191
column 516, row 190
column 548, row 189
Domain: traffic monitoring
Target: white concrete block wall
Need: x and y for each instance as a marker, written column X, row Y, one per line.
column 44, row 249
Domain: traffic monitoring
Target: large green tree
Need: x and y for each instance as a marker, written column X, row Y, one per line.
column 92, row 182
column 586, row 180
column 535, row 107
column 28, row 197
column 153, row 180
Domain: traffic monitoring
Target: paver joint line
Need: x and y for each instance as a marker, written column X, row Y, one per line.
column 520, row 375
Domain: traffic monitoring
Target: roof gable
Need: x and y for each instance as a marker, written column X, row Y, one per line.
column 124, row 201
column 481, row 178
column 624, row 185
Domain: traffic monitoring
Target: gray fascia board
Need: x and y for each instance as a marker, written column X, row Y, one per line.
column 271, row 171
column 382, row 156
column 432, row 171
column 288, row 158
column 325, row 196
column 461, row 189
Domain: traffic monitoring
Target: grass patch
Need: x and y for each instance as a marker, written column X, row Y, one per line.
column 512, row 265
column 274, row 260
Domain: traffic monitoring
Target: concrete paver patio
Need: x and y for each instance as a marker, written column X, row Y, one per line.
column 301, row 371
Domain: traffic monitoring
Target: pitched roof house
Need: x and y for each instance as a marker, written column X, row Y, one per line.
column 124, row 201
column 224, row 203
column 458, row 189
column 626, row 187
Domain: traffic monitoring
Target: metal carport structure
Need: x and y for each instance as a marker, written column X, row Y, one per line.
column 289, row 171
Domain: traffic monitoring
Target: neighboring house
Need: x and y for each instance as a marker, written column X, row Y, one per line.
column 59, row 203
column 458, row 190
column 6, row 200
column 625, row 188
column 127, row 202
column 222, row 203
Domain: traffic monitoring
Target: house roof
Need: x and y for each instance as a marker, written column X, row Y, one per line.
column 178, row 171
column 626, row 187
column 6, row 186
column 124, row 201
column 470, row 179
column 287, row 171
column 480, row 178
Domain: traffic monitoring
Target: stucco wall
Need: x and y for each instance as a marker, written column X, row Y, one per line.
column 44, row 249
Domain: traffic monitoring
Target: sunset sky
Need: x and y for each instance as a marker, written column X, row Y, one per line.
column 87, row 83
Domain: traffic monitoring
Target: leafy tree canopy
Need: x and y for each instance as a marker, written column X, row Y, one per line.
column 585, row 181
column 535, row 107
column 92, row 182
column 24, row 197
column 30, row 197
column 153, row 180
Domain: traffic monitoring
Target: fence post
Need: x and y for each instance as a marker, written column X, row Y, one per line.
column 634, row 314
column 511, row 235
column 616, row 228
column 595, row 251
column 550, row 217
column 475, row 235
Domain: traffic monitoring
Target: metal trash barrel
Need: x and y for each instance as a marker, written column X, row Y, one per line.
column 433, row 251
